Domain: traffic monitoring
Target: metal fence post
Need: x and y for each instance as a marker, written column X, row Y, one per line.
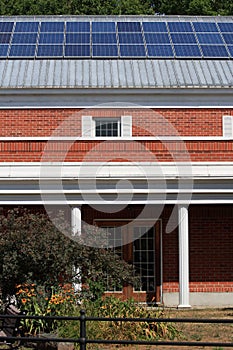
column 82, row 330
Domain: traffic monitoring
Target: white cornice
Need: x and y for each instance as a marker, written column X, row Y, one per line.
column 146, row 97
column 138, row 170
column 120, row 139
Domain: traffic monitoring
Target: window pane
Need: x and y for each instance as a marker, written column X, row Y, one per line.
column 107, row 128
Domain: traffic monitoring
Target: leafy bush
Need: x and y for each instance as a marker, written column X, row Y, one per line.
column 33, row 249
column 114, row 307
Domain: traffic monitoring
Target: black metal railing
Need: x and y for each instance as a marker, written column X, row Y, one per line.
column 83, row 340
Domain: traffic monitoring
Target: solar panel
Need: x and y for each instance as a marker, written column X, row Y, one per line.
column 183, row 38
column 132, row 50
column 104, row 38
column 52, row 27
column 210, row 38
column 51, row 38
column 5, row 38
column 205, row 27
column 78, row 38
column 26, row 27
column 76, row 27
column 6, row 27
column 24, row 38
column 154, row 27
column 187, row 51
column 184, row 27
column 22, row 50
column 214, row 51
column 230, row 48
column 160, row 51
column 105, row 50
column 103, row 27
column 226, row 27
column 228, row 37
column 4, row 50
column 123, row 39
column 50, row 51
column 129, row 27
column 77, row 51
column 130, row 38
column 157, row 38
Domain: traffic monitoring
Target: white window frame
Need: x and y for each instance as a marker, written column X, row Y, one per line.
column 89, row 126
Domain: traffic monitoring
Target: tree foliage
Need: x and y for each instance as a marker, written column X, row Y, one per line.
column 33, row 249
column 115, row 7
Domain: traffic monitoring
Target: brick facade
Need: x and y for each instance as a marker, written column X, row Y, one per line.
column 211, row 246
column 210, row 230
column 146, row 123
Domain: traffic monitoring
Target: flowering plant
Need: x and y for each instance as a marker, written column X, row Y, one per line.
column 41, row 301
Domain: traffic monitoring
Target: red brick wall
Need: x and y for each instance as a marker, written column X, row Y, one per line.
column 210, row 244
column 127, row 151
column 211, row 247
column 146, row 122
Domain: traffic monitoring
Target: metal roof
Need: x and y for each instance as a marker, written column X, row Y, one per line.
column 115, row 73
column 126, row 74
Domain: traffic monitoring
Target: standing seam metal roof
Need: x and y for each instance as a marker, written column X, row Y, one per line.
column 116, row 74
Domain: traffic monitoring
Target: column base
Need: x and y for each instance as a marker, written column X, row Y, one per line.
column 184, row 306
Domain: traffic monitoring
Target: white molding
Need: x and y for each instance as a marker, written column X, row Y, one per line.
column 121, row 138
column 90, row 97
column 129, row 106
column 114, row 170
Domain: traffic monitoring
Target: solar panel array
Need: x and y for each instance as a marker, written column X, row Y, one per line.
column 86, row 39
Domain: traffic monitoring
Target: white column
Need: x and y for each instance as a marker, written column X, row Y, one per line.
column 76, row 225
column 76, row 221
column 183, row 256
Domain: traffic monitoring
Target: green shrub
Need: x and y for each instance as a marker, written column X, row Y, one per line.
column 32, row 248
column 114, row 307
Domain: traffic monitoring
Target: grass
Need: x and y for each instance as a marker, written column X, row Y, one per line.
column 193, row 331
column 196, row 331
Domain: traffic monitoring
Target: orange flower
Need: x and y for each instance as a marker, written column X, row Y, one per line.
column 19, row 291
column 24, row 300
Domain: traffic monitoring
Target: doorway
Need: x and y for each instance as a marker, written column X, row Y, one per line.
column 138, row 244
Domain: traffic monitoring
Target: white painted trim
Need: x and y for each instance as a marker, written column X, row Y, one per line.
column 25, row 171
column 76, row 164
column 119, row 138
column 81, row 202
column 91, row 106
column 149, row 97
column 117, row 191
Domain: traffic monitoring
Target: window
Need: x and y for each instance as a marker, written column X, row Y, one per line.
column 106, row 127
column 141, row 252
